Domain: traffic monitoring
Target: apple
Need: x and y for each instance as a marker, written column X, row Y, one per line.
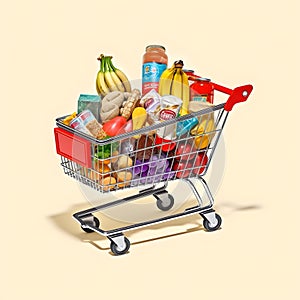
column 200, row 163
column 180, row 168
column 183, row 151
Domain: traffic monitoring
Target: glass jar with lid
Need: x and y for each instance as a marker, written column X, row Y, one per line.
column 155, row 61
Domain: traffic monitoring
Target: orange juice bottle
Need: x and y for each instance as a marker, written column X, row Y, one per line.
column 155, row 61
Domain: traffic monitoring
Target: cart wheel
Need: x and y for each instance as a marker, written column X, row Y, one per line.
column 115, row 250
column 95, row 223
column 208, row 226
column 165, row 204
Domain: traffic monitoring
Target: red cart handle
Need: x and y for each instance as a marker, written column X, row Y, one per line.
column 239, row 94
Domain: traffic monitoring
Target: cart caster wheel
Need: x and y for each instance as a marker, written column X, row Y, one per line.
column 115, row 249
column 165, row 204
column 95, row 223
column 207, row 225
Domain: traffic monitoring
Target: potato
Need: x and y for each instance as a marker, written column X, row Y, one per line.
column 122, row 184
column 123, row 178
column 123, row 162
column 108, row 183
column 94, row 175
column 115, row 156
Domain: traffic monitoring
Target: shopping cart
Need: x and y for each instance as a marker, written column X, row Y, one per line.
column 137, row 159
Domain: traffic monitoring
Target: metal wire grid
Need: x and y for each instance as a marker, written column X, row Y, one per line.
column 139, row 153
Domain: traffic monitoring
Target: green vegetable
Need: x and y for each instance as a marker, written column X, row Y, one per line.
column 104, row 152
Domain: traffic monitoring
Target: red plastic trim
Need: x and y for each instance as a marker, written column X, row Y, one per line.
column 73, row 147
column 239, row 94
column 222, row 89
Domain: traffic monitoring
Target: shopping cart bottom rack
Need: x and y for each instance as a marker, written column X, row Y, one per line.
column 147, row 164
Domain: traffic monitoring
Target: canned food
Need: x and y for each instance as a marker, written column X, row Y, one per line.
column 191, row 75
column 87, row 123
column 78, row 125
column 188, row 72
column 202, row 90
column 86, row 116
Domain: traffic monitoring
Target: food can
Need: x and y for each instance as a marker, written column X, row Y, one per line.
column 191, row 75
column 87, row 123
column 78, row 125
column 86, row 116
column 188, row 72
column 202, row 90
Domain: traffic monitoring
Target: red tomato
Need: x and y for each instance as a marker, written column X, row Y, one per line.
column 183, row 151
column 181, row 168
column 126, row 128
column 114, row 126
column 200, row 163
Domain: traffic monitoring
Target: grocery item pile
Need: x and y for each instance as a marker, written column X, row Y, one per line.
column 130, row 136
column 144, row 145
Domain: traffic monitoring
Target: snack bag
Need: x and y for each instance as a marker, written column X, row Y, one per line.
column 168, row 109
column 204, row 131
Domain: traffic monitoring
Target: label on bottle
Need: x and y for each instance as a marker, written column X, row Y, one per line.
column 151, row 75
column 200, row 98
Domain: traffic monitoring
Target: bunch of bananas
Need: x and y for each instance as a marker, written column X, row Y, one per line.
column 174, row 81
column 110, row 78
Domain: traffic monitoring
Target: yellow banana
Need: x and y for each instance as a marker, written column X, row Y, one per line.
column 174, row 81
column 185, row 94
column 114, row 76
column 108, row 78
column 176, row 84
column 101, row 86
column 123, row 78
column 97, row 88
column 165, row 81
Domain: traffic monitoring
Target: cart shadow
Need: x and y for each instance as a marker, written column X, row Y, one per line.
column 197, row 227
column 233, row 207
column 186, row 225
column 67, row 224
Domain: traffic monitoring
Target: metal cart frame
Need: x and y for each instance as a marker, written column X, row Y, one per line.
column 164, row 201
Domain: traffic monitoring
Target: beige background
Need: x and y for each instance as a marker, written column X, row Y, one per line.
column 48, row 57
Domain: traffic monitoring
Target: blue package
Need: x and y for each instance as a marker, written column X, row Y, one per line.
column 185, row 126
column 90, row 102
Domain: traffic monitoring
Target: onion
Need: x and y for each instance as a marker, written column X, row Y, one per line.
column 144, row 167
column 168, row 175
column 153, row 161
column 136, row 170
column 152, row 171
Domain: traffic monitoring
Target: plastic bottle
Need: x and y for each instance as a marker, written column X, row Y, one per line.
column 155, row 61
